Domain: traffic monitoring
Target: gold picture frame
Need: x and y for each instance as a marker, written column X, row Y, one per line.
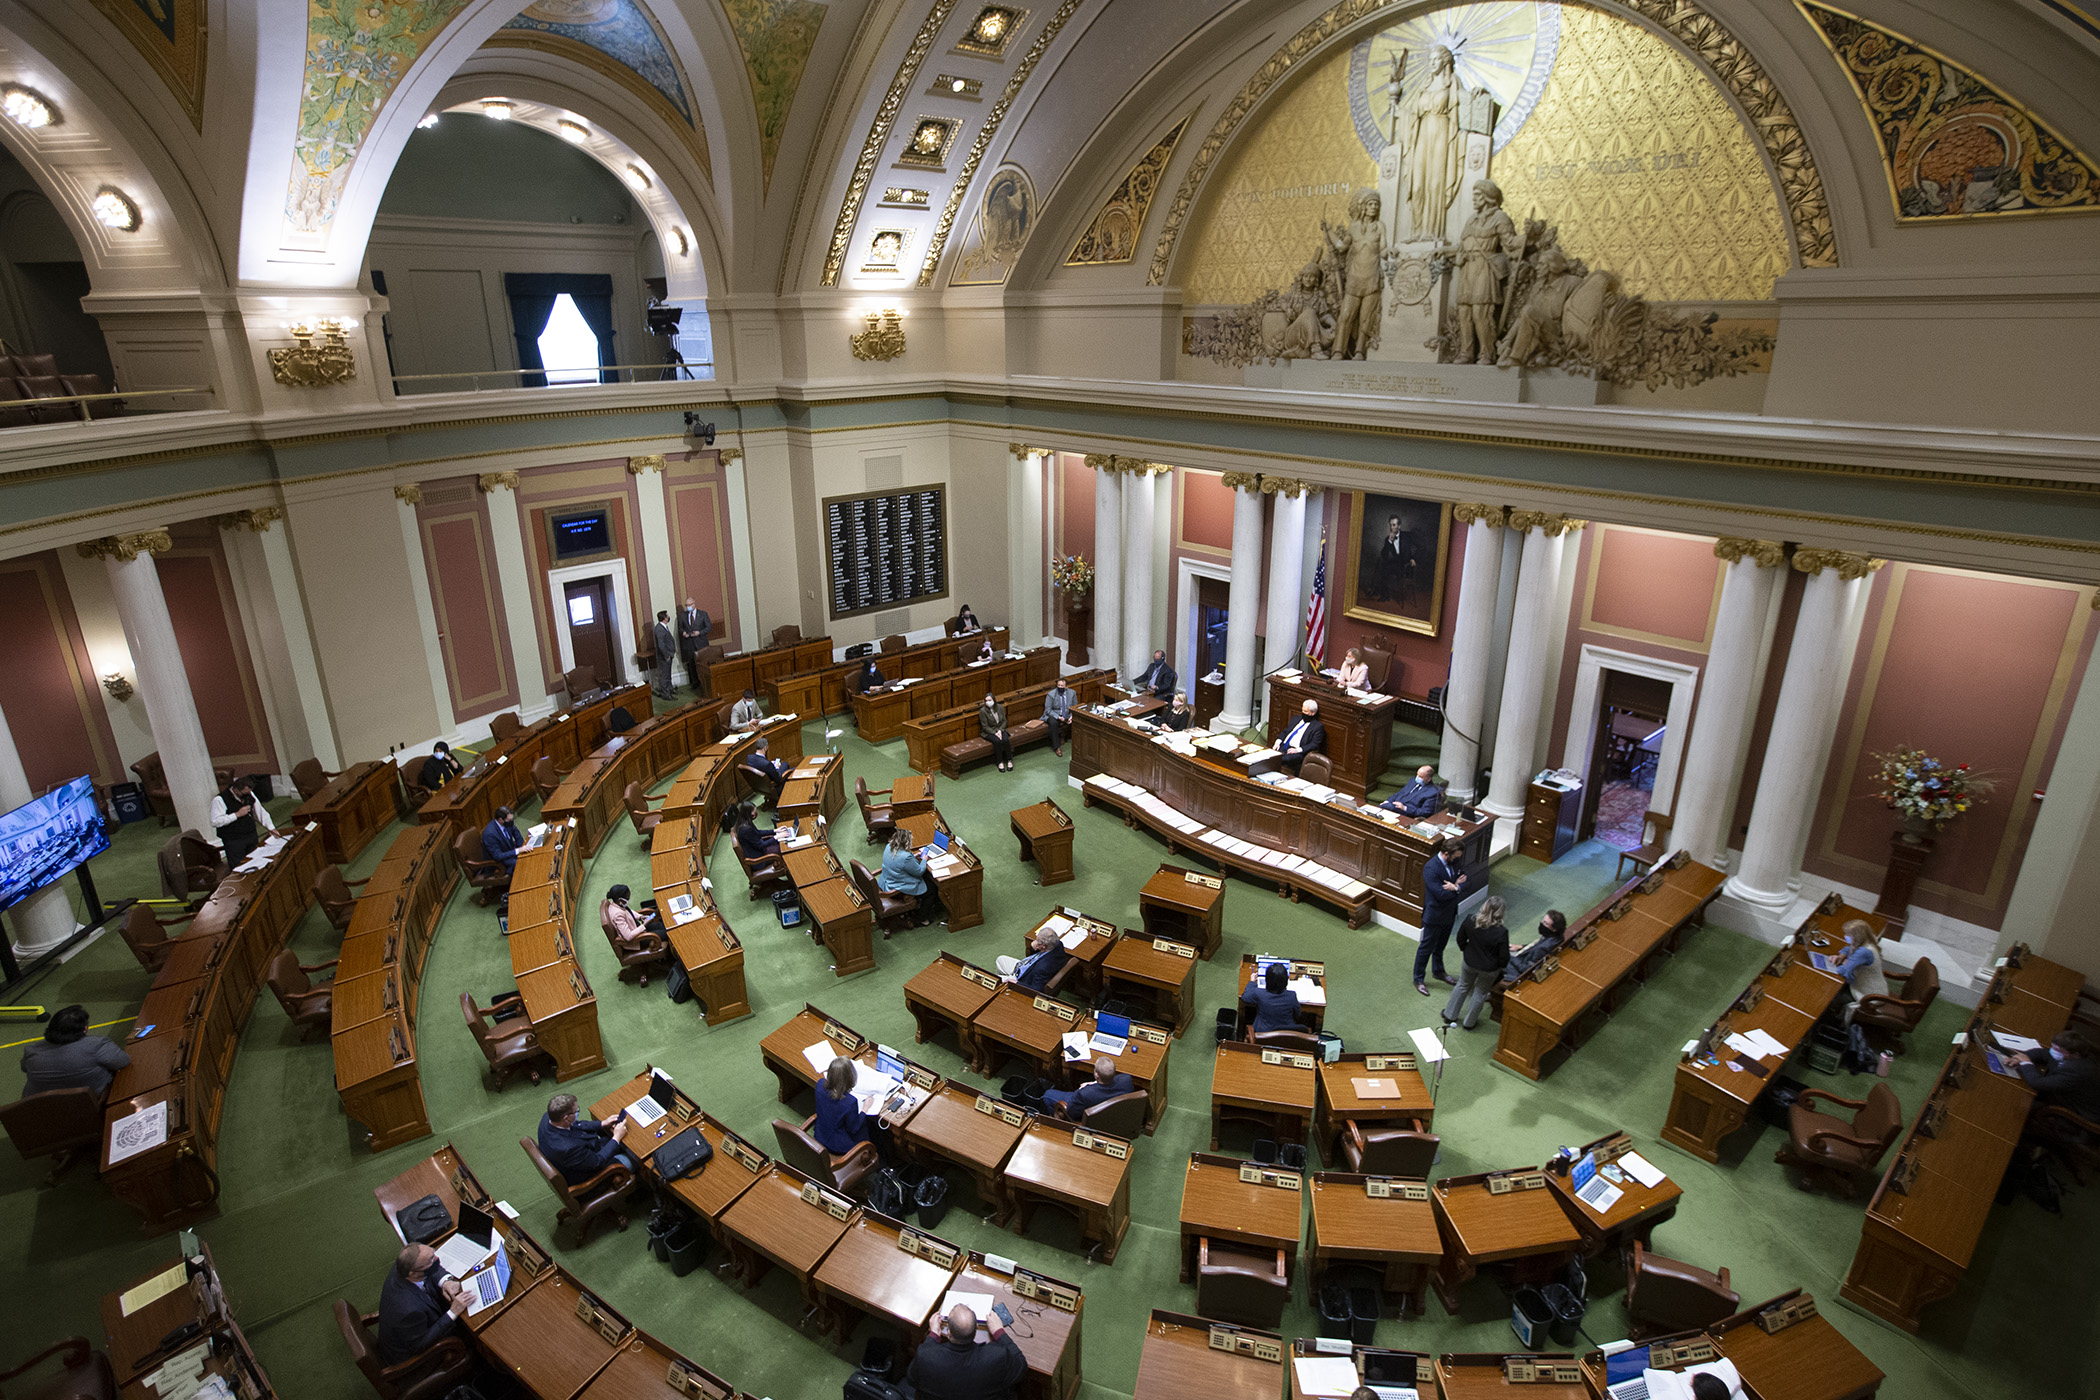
column 1394, row 593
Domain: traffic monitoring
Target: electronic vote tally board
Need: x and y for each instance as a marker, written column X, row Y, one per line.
column 888, row 548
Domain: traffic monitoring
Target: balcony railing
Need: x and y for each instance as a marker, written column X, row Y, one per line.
column 512, row 378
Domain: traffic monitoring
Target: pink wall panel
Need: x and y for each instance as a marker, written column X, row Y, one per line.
column 1659, row 584
column 47, row 686
column 201, row 605
column 464, row 587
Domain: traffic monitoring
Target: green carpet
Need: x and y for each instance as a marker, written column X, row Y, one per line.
column 300, row 1228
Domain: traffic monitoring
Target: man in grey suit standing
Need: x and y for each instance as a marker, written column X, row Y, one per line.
column 666, row 656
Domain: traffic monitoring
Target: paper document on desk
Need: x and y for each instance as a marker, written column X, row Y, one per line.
column 1428, row 1047
column 820, row 1056
column 1641, row 1170
column 979, row 1304
column 1325, row 1375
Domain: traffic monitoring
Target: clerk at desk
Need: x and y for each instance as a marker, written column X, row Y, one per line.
column 1420, row 798
column 1308, row 735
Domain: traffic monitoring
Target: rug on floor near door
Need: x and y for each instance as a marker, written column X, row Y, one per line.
column 1621, row 810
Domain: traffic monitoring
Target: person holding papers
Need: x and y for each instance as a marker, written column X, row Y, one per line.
column 991, row 724
column 501, row 840
column 1274, row 1004
column 1177, row 716
column 1057, row 713
column 1158, row 678
column 840, row 1125
column 1485, row 944
column 418, row 1305
column 1046, row 957
column 1420, row 798
column 1105, row 1085
column 1308, row 735
column 752, row 840
column 904, row 872
column 1354, row 672
column 580, row 1148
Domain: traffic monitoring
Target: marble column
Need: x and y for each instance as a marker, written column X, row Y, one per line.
column 1140, row 496
column 163, row 684
column 1798, row 747
column 1726, row 697
column 1243, row 600
column 1286, row 571
column 44, row 919
column 1472, row 640
column 1108, row 559
column 1540, row 610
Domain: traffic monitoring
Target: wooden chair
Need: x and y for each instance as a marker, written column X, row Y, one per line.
column 509, row 1053
column 1380, row 666
column 61, row 1123
column 485, row 876
column 786, row 633
column 546, row 777
column 1387, row 1149
column 1893, row 1017
column 1832, row 1150
column 847, row 1173
column 893, row 909
column 638, row 954
column 83, row 1374
column 645, row 821
column 587, row 1202
column 1317, row 768
column 332, row 892
column 1238, row 1284
column 147, row 935
column 880, row 820
column 306, row 1004
column 505, row 725
column 1667, row 1295
column 428, row 1376
column 1123, row 1115
column 1653, row 849
column 310, row 777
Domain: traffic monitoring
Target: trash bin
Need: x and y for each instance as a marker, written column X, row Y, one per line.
column 687, row 1245
column 931, row 1197
column 1567, row 1313
column 1530, row 1317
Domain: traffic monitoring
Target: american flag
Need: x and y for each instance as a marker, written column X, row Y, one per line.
column 1316, row 610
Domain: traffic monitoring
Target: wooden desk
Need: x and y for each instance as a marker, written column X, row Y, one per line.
column 1252, row 1079
column 1349, row 1225
column 1481, row 1376
column 563, row 1013
column 1312, row 1006
column 771, row 1224
column 844, row 921
column 1045, row 834
column 1159, row 972
column 949, row 992
column 870, row 1270
column 1016, row 1021
column 1050, row 1164
column 1052, row 1346
column 1810, row 1360
column 1217, row 1203
column 1524, row 1230
column 1144, row 1059
column 951, row 1126
column 1633, row 1216
column 1184, row 905
column 781, row 1052
column 1340, row 1103
column 1178, row 1363
column 911, row 795
column 1359, row 732
column 352, row 808
column 541, row 1341
column 957, row 874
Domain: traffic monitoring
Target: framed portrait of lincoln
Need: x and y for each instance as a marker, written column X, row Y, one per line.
column 1393, row 563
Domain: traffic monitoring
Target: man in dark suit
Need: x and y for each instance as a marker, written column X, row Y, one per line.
column 1420, row 798
column 666, row 643
column 1105, row 1085
column 1443, row 886
column 1158, row 678
column 951, row 1366
column 418, row 1305
column 1306, row 736
column 580, row 1148
column 694, row 626
column 501, row 840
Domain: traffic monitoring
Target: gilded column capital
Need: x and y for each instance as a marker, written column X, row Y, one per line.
column 410, row 494
column 647, row 462
column 1769, row 554
column 126, row 547
column 1849, row 566
column 257, row 521
column 729, row 454
column 1286, row 486
column 490, row 482
column 1475, row 513
column 1545, row 521
column 1242, row 481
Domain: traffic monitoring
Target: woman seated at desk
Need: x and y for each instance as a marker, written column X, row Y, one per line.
column 1177, row 715
column 904, row 873
column 753, row 842
column 1274, row 1005
column 1354, row 671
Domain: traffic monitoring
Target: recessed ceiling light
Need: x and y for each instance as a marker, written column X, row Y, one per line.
column 116, row 210
column 430, row 119
column 498, row 108
column 575, row 133
column 639, row 178
column 26, row 107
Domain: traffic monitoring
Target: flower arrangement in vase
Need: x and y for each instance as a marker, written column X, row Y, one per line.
column 1924, row 793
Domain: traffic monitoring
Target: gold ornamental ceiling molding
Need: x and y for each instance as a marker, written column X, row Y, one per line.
column 985, row 132
column 878, row 136
column 1724, row 57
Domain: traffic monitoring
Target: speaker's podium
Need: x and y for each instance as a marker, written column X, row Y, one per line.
column 1359, row 732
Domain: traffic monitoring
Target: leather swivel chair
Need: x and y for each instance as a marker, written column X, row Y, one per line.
column 1297, row 1042
column 879, row 818
column 546, row 777
column 1894, row 1017
column 429, row 1376
column 61, row 1123
column 485, row 876
column 847, row 1173
column 1668, row 1295
column 1379, row 664
column 505, row 725
column 333, row 893
column 893, row 909
column 638, row 955
column 1835, row 1151
column 1237, row 1284
column 510, row 1051
column 83, row 1374
column 306, row 1004
column 786, row 633
column 1387, row 1149
column 1122, row 1115
column 764, row 873
column 587, row 1202
column 1317, row 768
column 645, row 821
column 147, row 935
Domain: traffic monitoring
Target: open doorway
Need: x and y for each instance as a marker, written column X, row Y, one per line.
column 1625, row 757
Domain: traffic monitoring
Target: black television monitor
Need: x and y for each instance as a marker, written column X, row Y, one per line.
column 581, row 533
column 44, row 839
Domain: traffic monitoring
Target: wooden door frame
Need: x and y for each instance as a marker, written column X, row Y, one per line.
column 620, row 623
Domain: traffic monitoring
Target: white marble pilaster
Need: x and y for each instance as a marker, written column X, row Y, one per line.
column 1286, row 612
column 1243, row 600
column 43, row 919
column 1727, row 696
column 1538, row 614
column 1472, row 642
column 1108, row 559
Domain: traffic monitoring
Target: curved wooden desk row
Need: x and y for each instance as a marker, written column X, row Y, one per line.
column 594, row 789
column 502, row 775
column 819, row 686
column 1709, row 1100
column 880, row 714
column 355, row 806
column 1928, row 1213
column 186, row 1035
column 730, row 677
column 1217, row 794
column 927, row 735
column 1610, row 950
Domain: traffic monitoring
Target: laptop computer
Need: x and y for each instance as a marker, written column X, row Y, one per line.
column 1111, row 1035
